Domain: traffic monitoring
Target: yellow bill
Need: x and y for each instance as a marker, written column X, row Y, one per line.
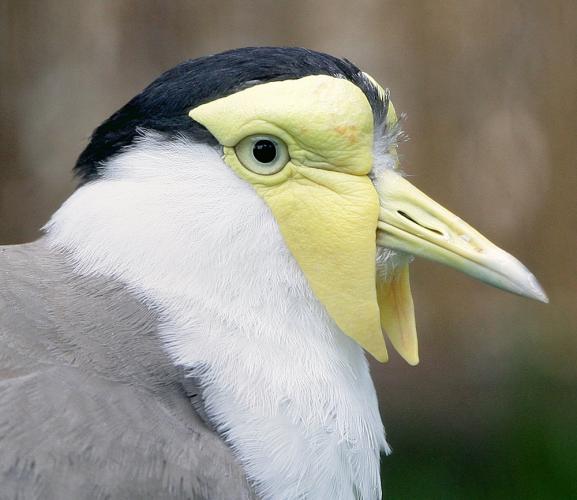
column 413, row 223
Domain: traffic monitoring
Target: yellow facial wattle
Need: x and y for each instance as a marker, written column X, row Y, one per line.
column 326, row 206
column 332, row 215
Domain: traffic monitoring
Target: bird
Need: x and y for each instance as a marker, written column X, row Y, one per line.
column 194, row 319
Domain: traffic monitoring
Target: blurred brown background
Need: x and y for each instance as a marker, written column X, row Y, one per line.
column 490, row 94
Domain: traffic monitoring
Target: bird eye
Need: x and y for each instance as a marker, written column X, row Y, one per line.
column 262, row 154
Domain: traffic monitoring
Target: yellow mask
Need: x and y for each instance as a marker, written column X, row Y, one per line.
column 329, row 211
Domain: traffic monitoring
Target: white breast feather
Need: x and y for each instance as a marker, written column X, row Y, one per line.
column 290, row 393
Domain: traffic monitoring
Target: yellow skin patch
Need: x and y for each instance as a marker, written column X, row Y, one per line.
column 332, row 216
column 398, row 313
column 394, row 294
column 326, row 206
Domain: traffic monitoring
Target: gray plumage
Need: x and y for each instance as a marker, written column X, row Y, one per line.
column 90, row 405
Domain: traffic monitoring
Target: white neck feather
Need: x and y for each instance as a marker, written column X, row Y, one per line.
column 283, row 385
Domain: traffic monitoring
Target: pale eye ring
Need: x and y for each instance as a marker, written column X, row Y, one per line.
column 262, row 154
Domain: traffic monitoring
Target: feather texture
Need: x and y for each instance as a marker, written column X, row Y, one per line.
column 288, row 391
column 91, row 407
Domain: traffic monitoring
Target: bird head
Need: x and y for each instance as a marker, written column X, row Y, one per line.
column 315, row 139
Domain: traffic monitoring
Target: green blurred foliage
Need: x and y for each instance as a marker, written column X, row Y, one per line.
column 531, row 453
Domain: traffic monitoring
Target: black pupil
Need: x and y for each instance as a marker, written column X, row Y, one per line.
column 264, row 151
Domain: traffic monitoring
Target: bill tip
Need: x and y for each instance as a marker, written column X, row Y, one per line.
column 537, row 290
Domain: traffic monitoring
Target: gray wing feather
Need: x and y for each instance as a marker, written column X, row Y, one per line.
column 90, row 405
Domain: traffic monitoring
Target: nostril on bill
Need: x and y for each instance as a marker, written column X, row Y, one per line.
column 407, row 216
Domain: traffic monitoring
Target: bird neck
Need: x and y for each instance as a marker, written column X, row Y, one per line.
column 287, row 390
